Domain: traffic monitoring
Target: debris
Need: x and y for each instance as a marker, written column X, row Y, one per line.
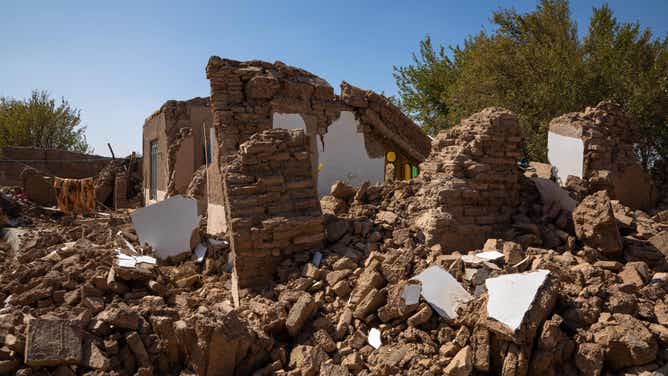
column 442, row 291
column 595, row 224
column 167, row 226
column 51, row 343
column 411, row 294
column 200, row 252
column 374, row 338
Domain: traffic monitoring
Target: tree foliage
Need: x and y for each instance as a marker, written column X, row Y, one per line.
column 41, row 122
column 536, row 65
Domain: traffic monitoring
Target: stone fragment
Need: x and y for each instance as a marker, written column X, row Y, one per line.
column 323, row 339
column 120, row 316
column 342, row 191
column 336, row 229
column 421, row 317
column 331, row 369
column 595, row 224
column 625, row 340
column 51, row 343
column 660, row 242
column 307, row 359
column 519, row 303
column 94, row 358
column 635, row 274
column 373, row 300
column 137, row 346
column 301, row 311
column 589, row 358
column 461, row 364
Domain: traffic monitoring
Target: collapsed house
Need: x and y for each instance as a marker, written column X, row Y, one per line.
column 173, row 144
column 597, row 145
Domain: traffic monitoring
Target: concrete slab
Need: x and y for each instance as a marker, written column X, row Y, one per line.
column 167, row 226
column 442, row 291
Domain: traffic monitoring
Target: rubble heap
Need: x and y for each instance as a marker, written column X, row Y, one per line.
column 272, row 206
column 470, row 180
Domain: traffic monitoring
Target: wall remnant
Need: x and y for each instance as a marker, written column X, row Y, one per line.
column 249, row 97
column 606, row 135
column 272, row 205
column 176, row 132
column 470, row 181
column 62, row 163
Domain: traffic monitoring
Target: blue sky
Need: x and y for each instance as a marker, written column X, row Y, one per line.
column 120, row 60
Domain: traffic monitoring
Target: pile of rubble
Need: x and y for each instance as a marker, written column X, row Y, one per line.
column 556, row 286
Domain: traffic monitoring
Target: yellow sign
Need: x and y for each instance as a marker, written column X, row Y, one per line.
column 391, row 157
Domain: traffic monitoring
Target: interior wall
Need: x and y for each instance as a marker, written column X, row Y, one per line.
column 566, row 154
column 342, row 154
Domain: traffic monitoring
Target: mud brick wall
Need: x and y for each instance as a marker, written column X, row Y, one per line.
column 272, row 205
column 609, row 161
column 62, row 163
column 470, row 180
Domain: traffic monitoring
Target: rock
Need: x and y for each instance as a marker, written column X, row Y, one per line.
column 589, row 358
column 323, row 339
column 307, row 359
column 336, row 229
column 625, row 340
column 421, row 317
column 299, row 313
column 660, row 242
column 137, row 346
column 373, row 300
column 94, row 358
column 461, row 364
column 331, row 369
column 512, row 253
column 661, row 313
column 595, row 224
column 342, row 191
column 51, row 343
column 120, row 316
column 635, row 274
column 332, row 205
column 386, row 217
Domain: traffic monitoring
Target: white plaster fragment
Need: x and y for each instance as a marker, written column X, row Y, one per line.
column 374, row 338
column 442, row 291
column 511, row 296
column 490, row 255
column 566, row 154
column 167, row 226
column 411, row 294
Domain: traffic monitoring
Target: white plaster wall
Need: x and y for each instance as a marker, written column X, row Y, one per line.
column 343, row 156
column 566, row 154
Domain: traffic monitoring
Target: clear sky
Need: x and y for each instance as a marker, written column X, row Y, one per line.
column 120, row 60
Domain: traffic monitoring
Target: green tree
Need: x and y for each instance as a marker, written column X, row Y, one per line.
column 535, row 65
column 41, row 122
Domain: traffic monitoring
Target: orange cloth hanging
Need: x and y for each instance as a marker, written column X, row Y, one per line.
column 75, row 195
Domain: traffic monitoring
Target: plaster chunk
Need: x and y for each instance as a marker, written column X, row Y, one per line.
column 442, row 291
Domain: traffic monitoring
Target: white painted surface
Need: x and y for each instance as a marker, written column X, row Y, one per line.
column 511, row 295
column 551, row 192
column 288, row 121
column 167, row 226
column 411, row 294
column 490, row 255
column 343, row 156
column 374, row 338
column 442, row 291
column 566, row 154
column 215, row 220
